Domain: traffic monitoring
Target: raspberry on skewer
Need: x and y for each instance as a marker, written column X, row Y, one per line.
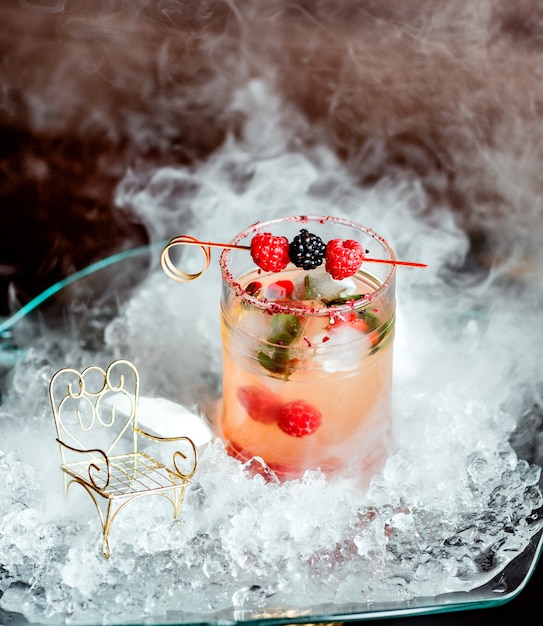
column 270, row 252
column 343, row 258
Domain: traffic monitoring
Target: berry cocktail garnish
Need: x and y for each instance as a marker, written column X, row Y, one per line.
column 343, row 258
column 306, row 250
column 272, row 253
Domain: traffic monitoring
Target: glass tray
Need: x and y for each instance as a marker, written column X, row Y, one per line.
column 499, row 590
column 506, row 585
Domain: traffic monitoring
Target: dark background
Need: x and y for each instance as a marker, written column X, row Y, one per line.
column 87, row 92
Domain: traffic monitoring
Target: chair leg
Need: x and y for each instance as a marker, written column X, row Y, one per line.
column 106, row 515
column 106, row 527
column 176, row 498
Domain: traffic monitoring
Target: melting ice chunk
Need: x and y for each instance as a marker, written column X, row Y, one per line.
column 340, row 349
column 254, row 322
column 319, row 284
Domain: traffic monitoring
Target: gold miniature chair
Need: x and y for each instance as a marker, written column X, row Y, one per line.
column 95, row 413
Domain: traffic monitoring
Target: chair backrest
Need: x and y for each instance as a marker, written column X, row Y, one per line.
column 96, row 409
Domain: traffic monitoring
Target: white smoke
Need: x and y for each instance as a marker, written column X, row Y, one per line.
column 372, row 130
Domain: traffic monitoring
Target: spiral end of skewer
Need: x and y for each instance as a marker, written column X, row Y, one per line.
column 169, row 267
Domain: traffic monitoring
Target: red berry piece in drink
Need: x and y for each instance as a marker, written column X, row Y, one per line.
column 343, row 258
column 270, row 252
column 299, row 418
column 254, row 288
column 280, row 290
column 261, row 404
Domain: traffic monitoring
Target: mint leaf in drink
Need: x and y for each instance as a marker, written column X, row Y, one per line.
column 285, row 325
column 275, row 360
column 370, row 318
column 310, row 285
column 275, row 354
column 374, row 325
column 343, row 299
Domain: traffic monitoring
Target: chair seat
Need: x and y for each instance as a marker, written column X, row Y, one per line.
column 133, row 473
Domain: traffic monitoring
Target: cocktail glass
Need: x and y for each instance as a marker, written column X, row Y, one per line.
column 307, row 360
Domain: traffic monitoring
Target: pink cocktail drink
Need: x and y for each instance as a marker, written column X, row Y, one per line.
column 307, row 358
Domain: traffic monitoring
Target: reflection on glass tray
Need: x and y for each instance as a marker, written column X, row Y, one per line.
column 501, row 589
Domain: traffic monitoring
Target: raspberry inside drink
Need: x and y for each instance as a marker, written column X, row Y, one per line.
column 307, row 359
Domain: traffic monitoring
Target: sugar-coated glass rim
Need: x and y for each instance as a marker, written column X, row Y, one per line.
column 291, row 308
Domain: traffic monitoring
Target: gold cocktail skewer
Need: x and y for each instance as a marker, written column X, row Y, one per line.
column 176, row 274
